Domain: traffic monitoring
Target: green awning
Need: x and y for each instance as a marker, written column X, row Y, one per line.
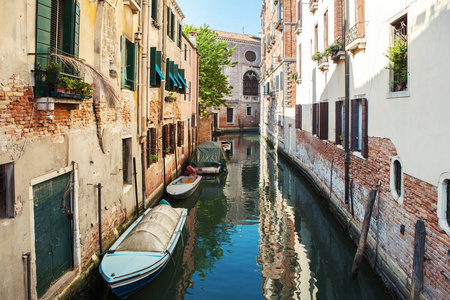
column 181, row 79
column 160, row 73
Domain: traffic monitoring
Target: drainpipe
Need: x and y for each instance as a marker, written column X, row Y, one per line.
column 76, row 220
column 347, row 110
column 99, row 186
column 144, row 83
column 27, row 256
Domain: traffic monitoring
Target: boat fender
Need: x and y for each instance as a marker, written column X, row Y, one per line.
column 164, row 202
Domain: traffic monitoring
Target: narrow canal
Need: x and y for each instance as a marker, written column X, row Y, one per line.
column 260, row 231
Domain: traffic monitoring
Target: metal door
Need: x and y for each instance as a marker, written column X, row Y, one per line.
column 52, row 231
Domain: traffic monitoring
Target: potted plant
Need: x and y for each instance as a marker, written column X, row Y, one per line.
column 168, row 149
column 152, row 158
column 66, row 83
column 53, row 70
column 170, row 98
column 83, row 88
column 317, row 56
column 397, row 54
column 293, row 75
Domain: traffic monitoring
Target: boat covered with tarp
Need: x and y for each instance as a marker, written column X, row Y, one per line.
column 143, row 251
column 209, row 158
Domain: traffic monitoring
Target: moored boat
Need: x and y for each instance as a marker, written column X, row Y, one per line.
column 143, row 251
column 183, row 186
column 209, row 158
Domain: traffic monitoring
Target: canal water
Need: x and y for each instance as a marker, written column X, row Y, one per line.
column 259, row 231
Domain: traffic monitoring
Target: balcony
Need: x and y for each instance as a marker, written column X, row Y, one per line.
column 135, row 5
column 313, row 5
column 57, row 79
column 355, row 38
column 322, row 63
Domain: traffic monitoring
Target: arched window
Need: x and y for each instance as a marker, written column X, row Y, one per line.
column 443, row 203
column 251, row 83
column 396, row 184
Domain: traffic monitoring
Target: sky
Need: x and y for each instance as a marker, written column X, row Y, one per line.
column 236, row 16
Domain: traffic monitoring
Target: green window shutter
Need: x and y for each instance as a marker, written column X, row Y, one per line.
column 123, row 61
column 167, row 87
column 168, row 21
column 281, row 80
column 172, row 69
column 172, row 26
column 43, row 28
column 71, row 27
column 183, row 88
column 152, row 66
column 158, row 63
column 179, row 35
column 277, row 83
column 131, row 68
column 155, row 10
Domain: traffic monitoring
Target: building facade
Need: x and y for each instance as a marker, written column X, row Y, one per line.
column 243, row 111
column 278, row 68
column 76, row 164
column 392, row 111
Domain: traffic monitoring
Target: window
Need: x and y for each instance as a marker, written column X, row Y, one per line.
column 443, row 203
column 126, row 161
column 298, row 116
column 128, row 64
column 358, row 126
column 299, row 13
column 281, row 81
column 396, row 180
column 249, row 110
column 156, row 75
column 339, row 113
column 230, row 115
column 316, row 38
column 152, row 146
column 251, row 83
column 325, row 30
column 170, row 24
column 185, row 52
column 172, row 133
column 7, row 191
column 398, row 55
column 190, row 86
column 155, row 10
column 165, row 139
column 250, row 56
column 57, row 30
column 277, row 83
column 338, row 19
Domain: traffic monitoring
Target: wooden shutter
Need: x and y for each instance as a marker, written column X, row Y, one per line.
column 152, row 66
column 325, row 29
column 172, row 130
column 131, row 64
column 298, row 116
column 193, row 120
column 165, row 138
column 153, row 141
column 43, row 33
column 364, row 131
column 172, row 26
column 299, row 13
column 323, row 121
column 71, row 27
column 314, row 118
column 338, row 118
column 123, row 60
column 360, row 17
column 179, row 35
column 338, row 19
column 354, row 124
column 168, row 21
column 168, row 80
column 281, row 80
column 155, row 10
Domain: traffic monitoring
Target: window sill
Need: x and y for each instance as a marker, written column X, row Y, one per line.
column 358, row 155
column 402, row 94
column 126, row 188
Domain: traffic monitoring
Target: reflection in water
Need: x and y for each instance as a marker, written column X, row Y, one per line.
column 260, row 231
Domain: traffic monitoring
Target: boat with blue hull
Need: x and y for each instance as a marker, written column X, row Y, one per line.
column 143, row 251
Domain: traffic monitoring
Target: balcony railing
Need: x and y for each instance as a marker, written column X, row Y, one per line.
column 355, row 37
column 49, row 68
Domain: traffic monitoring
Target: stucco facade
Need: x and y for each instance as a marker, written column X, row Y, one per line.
column 394, row 128
column 243, row 111
column 62, row 152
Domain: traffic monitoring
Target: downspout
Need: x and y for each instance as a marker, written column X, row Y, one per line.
column 347, row 110
column 144, row 83
column 161, row 90
column 76, row 220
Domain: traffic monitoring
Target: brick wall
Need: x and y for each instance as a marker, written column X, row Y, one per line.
column 204, row 133
column 420, row 201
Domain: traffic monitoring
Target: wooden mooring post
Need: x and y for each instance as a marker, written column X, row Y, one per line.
column 365, row 230
column 419, row 253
